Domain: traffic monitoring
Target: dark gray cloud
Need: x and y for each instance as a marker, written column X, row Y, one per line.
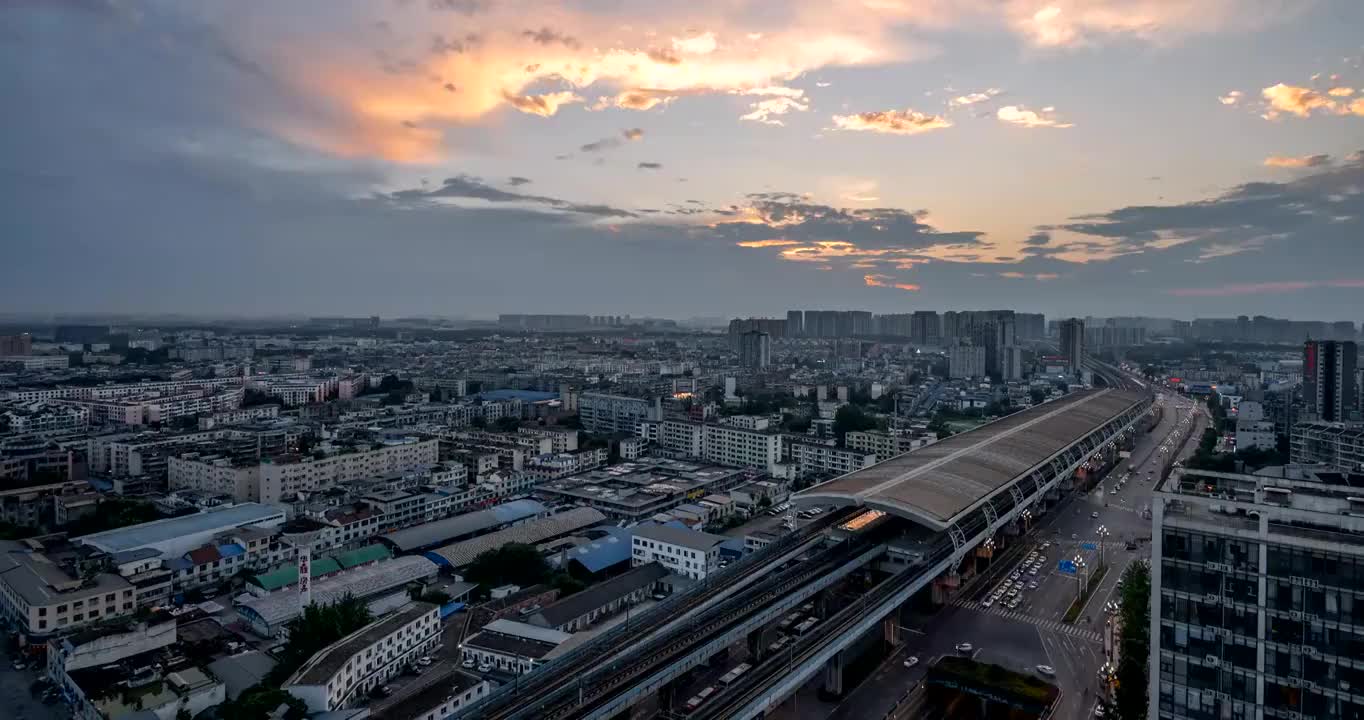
column 463, row 7
column 546, row 36
column 650, row 166
column 792, row 217
column 1244, row 219
column 440, row 45
column 517, row 181
column 611, row 143
column 470, row 187
column 1039, row 238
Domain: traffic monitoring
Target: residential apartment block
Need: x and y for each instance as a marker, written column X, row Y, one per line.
column 1257, row 598
column 349, row 668
column 271, row 480
column 616, row 414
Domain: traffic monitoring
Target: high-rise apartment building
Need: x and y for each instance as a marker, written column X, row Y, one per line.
column 795, row 323
column 1256, row 608
column 1328, row 380
column 12, row 345
column 1073, row 342
column 925, row 327
column 755, row 350
column 966, row 361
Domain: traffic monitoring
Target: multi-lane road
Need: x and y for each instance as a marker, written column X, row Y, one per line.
column 1033, row 632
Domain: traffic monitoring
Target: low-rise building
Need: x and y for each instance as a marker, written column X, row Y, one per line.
column 511, row 646
column 42, row 417
column 581, row 610
column 1338, row 445
column 50, row 586
column 441, row 700
column 885, row 445
column 683, row 552
column 341, row 673
column 286, row 476
column 813, row 458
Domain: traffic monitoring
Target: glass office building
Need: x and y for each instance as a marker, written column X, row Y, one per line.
column 1257, row 584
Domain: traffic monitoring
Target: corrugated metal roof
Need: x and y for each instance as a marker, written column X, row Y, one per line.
column 461, row 526
column 462, row 553
column 159, row 531
column 365, row 582
column 936, row 483
column 601, row 554
column 288, row 575
column 366, row 554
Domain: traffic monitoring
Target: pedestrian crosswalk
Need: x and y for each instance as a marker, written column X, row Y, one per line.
column 1048, row 625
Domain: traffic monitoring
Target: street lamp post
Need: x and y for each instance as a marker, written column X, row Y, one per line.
column 1081, row 577
column 1103, row 533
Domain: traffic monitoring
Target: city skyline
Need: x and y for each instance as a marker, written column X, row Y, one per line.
column 456, row 158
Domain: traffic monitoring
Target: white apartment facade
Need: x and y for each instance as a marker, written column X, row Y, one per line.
column 737, row 447
column 683, row 552
column 683, row 436
column 365, row 659
column 269, row 482
column 811, row 458
column 885, row 445
column 41, row 417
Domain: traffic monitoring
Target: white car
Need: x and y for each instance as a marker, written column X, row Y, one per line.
column 911, row 661
column 988, row 602
column 1047, row 670
column 424, row 660
column 485, row 667
column 468, row 663
column 1095, row 514
column 965, row 647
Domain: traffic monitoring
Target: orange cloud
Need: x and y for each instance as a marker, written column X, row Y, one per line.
column 876, row 280
column 542, row 105
column 775, row 242
column 439, row 69
column 1303, row 102
column 1230, row 98
column 894, row 122
column 1304, row 161
column 1340, row 92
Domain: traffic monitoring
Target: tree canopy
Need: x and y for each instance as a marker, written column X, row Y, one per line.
column 316, row 628
column 1135, row 645
column 851, row 418
column 513, row 563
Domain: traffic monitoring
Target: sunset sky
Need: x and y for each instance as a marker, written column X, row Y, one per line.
column 468, row 157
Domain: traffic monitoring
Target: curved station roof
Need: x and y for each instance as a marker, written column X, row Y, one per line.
column 938, row 484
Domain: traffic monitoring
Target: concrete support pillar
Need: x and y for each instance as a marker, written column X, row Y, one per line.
column 758, row 641
column 890, row 628
column 825, row 604
column 833, row 675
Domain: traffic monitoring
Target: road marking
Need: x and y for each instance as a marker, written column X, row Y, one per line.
column 1051, row 625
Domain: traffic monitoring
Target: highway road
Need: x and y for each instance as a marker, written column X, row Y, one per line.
column 1034, row 633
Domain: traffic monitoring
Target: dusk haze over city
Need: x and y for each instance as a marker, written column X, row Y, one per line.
column 713, row 360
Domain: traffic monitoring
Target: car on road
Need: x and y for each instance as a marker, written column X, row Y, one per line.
column 485, row 667
column 424, row 660
column 1047, row 670
column 911, row 661
column 1095, row 514
column 965, row 647
column 988, row 602
column 1032, row 585
column 469, row 662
